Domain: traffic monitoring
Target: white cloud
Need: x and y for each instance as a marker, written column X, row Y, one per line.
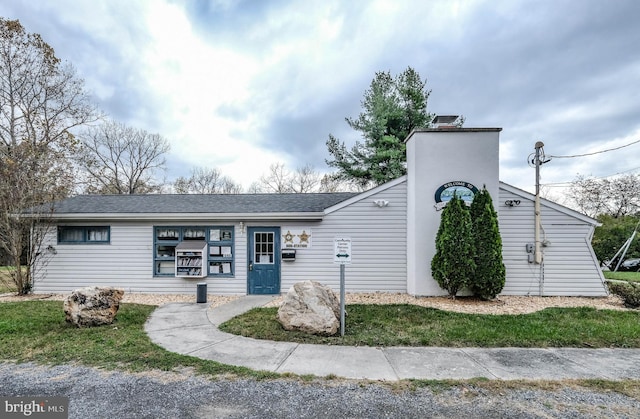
column 239, row 88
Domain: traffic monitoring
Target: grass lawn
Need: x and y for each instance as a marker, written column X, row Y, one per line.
column 6, row 283
column 623, row 276
column 36, row 331
column 408, row 325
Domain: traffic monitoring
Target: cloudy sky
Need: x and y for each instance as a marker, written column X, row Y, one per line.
column 239, row 85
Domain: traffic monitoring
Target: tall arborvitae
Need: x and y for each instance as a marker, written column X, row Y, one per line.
column 453, row 264
column 489, row 277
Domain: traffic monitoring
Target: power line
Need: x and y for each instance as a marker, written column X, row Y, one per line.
column 569, row 182
column 556, row 185
column 596, row 152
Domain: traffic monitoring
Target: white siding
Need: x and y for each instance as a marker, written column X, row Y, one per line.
column 379, row 252
column 379, row 246
column 378, row 242
column 127, row 262
column 569, row 266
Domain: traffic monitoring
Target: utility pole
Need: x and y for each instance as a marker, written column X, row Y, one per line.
column 537, row 162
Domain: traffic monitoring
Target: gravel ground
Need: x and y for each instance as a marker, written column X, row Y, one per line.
column 100, row 394
column 501, row 305
column 138, row 298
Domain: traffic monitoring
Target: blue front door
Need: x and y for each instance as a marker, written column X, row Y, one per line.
column 263, row 255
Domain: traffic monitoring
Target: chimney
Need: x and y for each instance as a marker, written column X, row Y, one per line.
column 445, row 121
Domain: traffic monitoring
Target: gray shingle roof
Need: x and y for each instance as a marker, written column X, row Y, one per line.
column 212, row 204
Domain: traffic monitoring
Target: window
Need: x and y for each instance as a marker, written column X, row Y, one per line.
column 263, row 251
column 219, row 257
column 220, row 251
column 78, row 235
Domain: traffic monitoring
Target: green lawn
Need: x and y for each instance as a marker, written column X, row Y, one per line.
column 409, row 325
column 623, row 276
column 37, row 331
column 6, row 284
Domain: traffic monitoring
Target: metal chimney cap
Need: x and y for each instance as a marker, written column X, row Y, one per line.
column 445, row 121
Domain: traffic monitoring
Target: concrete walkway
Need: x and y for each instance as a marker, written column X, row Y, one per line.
column 191, row 329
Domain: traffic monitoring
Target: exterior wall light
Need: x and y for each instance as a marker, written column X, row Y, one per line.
column 381, row 203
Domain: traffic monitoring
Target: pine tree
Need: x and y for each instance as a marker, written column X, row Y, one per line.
column 489, row 277
column 392, row 107
column 453, row 264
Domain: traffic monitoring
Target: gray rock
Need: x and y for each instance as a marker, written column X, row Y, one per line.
column 92, row 306
column 310, row 307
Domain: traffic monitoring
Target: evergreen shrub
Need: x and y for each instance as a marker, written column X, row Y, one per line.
column 489, row 276
column 453, row 264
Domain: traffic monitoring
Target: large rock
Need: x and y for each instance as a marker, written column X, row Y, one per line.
column 310, row 307
column 92, row 306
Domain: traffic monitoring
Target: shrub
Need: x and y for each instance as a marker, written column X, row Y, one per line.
column 489, row 277
column 629, row 291
column 612, row 234
column 453, row 264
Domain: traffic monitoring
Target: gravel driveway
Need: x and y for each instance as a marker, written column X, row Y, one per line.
column 99, row 394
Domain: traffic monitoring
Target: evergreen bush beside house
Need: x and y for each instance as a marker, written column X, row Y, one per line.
column 490, row 275
column 453, row 264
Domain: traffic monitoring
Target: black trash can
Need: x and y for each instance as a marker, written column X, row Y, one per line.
column 201, row 296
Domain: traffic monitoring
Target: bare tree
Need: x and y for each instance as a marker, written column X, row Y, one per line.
column 206, row 181
column 255, row 187
column 230, row 187
column 201, row 181
column 117, row 159
column 305, row 180
column 624, row 195
column 616, row 196
column 41, row 101
column 278, row 180
column 181, row 185
column 332, row 183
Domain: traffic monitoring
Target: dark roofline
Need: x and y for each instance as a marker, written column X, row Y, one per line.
column 198, row 205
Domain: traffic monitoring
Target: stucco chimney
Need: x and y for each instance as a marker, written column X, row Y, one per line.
column 439, row 159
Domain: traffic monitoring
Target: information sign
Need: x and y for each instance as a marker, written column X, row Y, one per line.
column 342, row 250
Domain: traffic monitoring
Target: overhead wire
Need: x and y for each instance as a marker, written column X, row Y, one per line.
column 568, row 183
column 596, row 152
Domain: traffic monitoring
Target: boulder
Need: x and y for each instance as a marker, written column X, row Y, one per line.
column 92, row 306
column 310, row 307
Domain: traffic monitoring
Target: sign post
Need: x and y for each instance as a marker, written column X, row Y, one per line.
column 342, row 255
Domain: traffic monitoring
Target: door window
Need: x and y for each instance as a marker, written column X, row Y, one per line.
column 264, row 248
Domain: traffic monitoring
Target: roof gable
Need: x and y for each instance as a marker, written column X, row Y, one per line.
column 366, row 194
